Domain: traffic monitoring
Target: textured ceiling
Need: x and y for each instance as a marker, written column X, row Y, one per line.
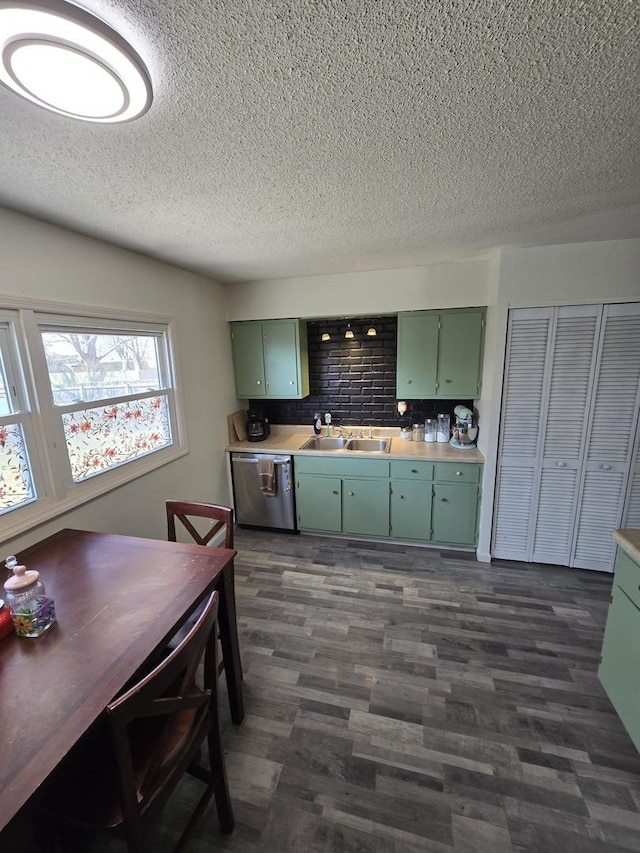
column 315, row 136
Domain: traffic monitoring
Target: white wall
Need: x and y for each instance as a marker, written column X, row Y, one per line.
column 42, row 261
column 454, row 285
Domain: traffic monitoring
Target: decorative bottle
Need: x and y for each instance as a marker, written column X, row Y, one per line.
column 32, row 611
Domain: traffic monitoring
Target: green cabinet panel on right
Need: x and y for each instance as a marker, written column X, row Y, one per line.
column 440, row 354
column 619, row 668
column 454, row 513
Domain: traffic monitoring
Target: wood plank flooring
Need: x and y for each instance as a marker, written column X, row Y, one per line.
column 403, row 699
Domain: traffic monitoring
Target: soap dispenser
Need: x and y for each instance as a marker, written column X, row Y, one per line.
column 317, row 424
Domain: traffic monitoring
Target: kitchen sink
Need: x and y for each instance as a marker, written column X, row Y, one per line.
column 324, row 443
column 369, row 445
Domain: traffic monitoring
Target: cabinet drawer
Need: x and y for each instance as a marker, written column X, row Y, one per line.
column 342, row 466
column 407, row 470
column 627, row 576
column 453, row 472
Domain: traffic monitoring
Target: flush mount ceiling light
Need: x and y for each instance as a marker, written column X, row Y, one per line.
column 64, row 59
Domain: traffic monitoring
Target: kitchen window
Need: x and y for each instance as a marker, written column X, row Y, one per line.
column 104, row 409
column 17, row 486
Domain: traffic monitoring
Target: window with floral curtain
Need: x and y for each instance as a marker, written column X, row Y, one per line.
column 17, row 486
column 112, row 393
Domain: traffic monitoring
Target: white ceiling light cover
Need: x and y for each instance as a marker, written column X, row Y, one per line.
column 62, row 58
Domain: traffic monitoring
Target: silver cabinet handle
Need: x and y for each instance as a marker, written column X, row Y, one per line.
column 401, row 497
column 409, row 381
column 291, row 382
column 458, row 473
column 351, row 494
column 606, row 467
column 335, row 492
column 259, row 382
column 562, row 464
column 414, row 470
column 444, row 500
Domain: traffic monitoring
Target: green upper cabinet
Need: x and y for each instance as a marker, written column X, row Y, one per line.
column 440, row 353
column 270, row 359
column 416, row 371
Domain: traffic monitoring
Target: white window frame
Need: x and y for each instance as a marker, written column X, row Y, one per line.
column 56, row 492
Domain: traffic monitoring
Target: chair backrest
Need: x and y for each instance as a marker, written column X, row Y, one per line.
column 219, row 515
column 159, row 723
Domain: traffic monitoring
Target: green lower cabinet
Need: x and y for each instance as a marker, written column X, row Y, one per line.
column 618, row 671
column 365, row 507
column 372, row 497
column 411, row 510
column 454, row 513
column 319, row 503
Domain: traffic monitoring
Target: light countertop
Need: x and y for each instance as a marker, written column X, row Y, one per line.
column 628, row 538
column 285, row 439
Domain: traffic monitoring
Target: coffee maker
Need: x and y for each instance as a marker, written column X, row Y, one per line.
column 464, row 431
column 257, row 426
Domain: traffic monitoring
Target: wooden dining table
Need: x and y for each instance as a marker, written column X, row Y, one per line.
column 118, row 600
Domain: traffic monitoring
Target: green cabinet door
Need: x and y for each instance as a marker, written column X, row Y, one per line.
column 411, row 509
column 318, row 503
column 454, row 513
column 416, row 369
column 618, row 671
column 460, row 347
column 281, row 358
column 248, row 360
column 365, row 507
column 270, row 359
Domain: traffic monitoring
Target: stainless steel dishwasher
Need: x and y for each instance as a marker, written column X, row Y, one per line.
column 253, row 504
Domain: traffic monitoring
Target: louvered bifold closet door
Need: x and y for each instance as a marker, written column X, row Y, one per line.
column 520, row 431
column 572, row 360
column 612, row 438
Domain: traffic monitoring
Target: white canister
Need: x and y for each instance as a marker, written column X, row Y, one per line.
column 444, row 428
column 430, row 429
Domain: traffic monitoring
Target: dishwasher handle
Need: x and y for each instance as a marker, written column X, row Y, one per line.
column 247, row 458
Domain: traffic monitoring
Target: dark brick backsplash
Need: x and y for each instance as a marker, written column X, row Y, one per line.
column 355, row 379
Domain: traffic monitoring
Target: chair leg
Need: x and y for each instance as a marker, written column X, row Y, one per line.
column 219, row 773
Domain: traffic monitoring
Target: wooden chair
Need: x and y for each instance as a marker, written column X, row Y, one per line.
column 121, row 777
column 184, row 511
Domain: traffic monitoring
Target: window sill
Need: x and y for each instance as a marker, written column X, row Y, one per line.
column 19, row 521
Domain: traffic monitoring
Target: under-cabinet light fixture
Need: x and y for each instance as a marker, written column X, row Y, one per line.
column 61, row 57
column 371, row 331
column 349, row 333
column 325, row 336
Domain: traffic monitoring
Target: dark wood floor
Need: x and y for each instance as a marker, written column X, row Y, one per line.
column 406, row 699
